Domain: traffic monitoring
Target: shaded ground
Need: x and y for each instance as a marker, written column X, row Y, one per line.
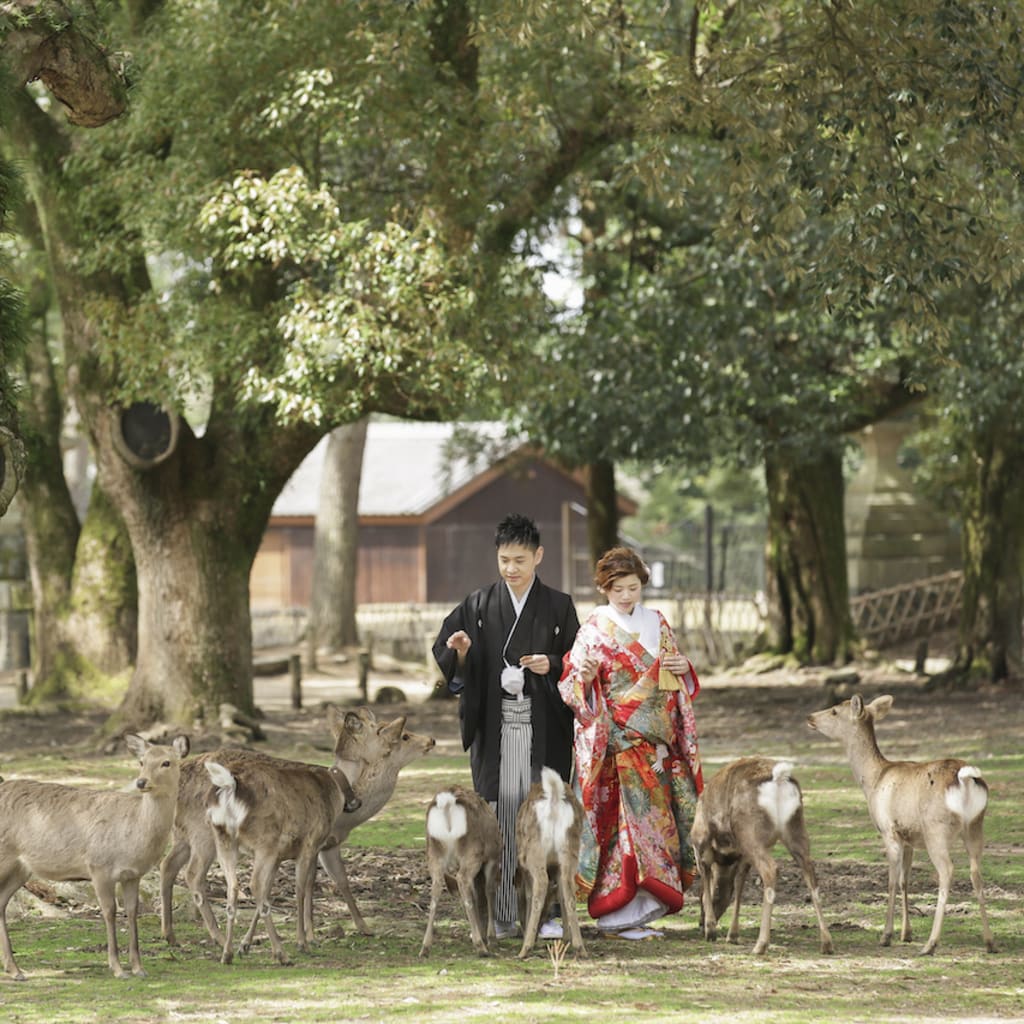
column 739, row 712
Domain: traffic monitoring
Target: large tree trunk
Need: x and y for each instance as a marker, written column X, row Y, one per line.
column 808, row 592
column 989, row 638
column 602, row 508
column 332, row 622
column 195, row 521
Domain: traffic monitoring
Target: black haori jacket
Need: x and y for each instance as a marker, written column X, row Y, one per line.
column 548, row 626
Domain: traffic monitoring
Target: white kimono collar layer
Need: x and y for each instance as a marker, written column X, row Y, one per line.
column 643, row 623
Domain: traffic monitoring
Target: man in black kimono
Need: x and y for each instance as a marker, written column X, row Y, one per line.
column 501, row 651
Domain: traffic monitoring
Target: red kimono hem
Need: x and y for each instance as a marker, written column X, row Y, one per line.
column 598, row 906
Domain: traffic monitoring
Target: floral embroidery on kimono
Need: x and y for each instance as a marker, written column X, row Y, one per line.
column 638, row 767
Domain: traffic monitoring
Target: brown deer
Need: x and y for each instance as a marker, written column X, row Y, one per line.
column 65, row 834
column 549, row 824
column 464, row 853
column 745, row 809
column 367, row 753
column 913, row 804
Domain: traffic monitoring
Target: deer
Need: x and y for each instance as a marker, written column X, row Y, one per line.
column 283, row 811
column 913, row 804
column 66, row 834
column 464, row 854
column 367, row 753
column 549, row 824
column 744, row 810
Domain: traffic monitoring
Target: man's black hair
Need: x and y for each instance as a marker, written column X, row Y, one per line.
column 517, row 529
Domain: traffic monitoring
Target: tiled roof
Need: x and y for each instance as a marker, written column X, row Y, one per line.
column 406, row 469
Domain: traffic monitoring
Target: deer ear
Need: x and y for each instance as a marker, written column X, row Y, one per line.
column 353, row 723
column 880, row 707
column 182, row 745
column 856, row 707
column 136, row 744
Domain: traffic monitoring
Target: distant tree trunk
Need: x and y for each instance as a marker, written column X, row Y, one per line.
column 602, row 508
column 989, row 639
column 50, row 521
column 808, row 589
column 336, row 545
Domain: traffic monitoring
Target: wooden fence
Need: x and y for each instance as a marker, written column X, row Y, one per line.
column 909, row 610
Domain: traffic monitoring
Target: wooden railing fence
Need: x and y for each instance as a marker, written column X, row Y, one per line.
column 909, row 610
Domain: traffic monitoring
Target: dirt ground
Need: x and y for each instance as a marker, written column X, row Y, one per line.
column 741, row 711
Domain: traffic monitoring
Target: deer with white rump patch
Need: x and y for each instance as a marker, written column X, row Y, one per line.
column 749, row 806
column 66, row 834
column 367, row 753
column 464, row 854
column 913, row 804
column 549, row 824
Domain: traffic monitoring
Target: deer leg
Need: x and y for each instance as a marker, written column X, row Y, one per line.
column 490, row 889
column 130, row 894
column 768, row 870
column 305, row 871
column 330, row 858
column 893, row 855
column 708, row 922
column 944, row 866
column 974, row 840
column 108, row 908
column 14, row 881
column 436, row 889
column 262, row 876
column 169, row 868
column 906, row 932
column 739, row 882
column 227, row 854
column 536, row 880
column 465, row 877
column 567, row 898
column 198, row 868
column 801, row 855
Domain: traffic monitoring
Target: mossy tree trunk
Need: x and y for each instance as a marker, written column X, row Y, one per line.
column 195, row 521
column 83, row 581
column 989, row 639
column 808, row 589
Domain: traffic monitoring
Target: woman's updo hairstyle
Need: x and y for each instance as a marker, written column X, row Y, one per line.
column 616, row 563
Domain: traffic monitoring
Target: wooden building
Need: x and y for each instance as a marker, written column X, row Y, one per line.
column 426, row 518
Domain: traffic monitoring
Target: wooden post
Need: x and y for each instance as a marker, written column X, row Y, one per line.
column 364, row 675
column 295, row 667
column 22, row 686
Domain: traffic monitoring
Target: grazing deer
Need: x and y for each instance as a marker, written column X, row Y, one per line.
column 549, row 823
column 282, row 811
column 464, row 853
column 368, row 753
column 913, row 803
column 65, row 834
column 749, row 806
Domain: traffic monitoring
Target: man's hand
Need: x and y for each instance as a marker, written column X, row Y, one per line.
column 540, row 664
column 460, row 643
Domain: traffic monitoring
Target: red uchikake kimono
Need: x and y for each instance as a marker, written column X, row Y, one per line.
column 638, row 817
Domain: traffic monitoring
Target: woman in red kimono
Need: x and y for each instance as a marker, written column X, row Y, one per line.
column 637, row 763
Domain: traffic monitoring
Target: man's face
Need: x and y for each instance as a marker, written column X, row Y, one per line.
column 517, row 565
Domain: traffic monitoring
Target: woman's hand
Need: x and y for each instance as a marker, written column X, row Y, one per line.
column 677, row 664
column 588, row 668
